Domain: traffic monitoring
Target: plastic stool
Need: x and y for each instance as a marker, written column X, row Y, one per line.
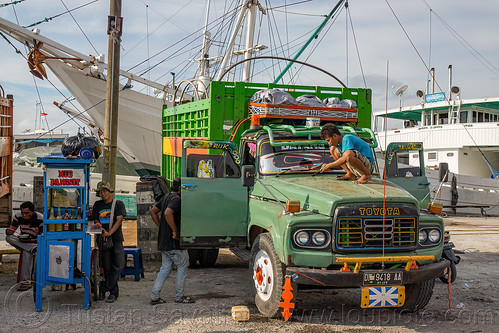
column 138, row 268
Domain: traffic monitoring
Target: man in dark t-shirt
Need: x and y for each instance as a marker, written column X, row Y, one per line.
column 113, row 259
column 30, row 225
column 169, row 245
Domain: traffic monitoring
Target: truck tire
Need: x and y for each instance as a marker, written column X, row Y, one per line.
column 208, row 257
column 194, row 255
column 453, row 274
column 417, row 295
column 267, row 275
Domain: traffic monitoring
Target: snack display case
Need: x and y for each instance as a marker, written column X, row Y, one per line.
column 64, row 248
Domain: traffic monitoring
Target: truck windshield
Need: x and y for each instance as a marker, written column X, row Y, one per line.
column 299, row 158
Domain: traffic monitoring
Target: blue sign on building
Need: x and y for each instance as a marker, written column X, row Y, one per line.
column 436, row 97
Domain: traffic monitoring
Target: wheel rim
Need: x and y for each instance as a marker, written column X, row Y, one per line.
column 263, row 275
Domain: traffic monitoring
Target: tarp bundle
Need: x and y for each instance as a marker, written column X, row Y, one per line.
column 81, row 145
column 277, row 96
column 273, row 96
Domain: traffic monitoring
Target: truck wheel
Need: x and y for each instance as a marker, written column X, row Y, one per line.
column 267, row 274
column 453, row 274
column 417, row 295
column 194, row 255
column 208, row 257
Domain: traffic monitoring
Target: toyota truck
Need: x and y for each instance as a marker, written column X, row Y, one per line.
column 250, row 182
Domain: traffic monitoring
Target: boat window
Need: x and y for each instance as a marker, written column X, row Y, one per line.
column 450, row 154
column 474, row 117
column 463, row 117
column 432, row 156
column 443, row 118
column 495, row 117
column 480, row 117
column 487, row 117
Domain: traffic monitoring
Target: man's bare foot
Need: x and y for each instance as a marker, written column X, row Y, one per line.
column 364, row 179
column 350, row 176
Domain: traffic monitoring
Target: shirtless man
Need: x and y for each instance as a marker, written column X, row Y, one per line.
column 351, row 153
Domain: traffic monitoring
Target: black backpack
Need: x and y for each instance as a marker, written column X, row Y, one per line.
column 160, row 185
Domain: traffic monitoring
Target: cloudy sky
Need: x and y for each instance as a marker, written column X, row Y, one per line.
column 405, row 34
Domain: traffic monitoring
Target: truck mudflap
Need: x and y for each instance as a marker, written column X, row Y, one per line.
column 337, row 278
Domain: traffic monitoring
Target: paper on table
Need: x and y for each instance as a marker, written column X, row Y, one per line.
column 91, row 230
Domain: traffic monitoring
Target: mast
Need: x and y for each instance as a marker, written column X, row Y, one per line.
column 203, row 62
column 312, row 37
column 250, row 32
column 230, row 46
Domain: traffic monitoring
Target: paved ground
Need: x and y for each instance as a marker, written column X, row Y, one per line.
column 217, row 289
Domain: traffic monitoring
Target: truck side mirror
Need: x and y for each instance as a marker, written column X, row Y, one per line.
column 248, row 178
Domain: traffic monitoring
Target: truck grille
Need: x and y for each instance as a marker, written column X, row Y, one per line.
column 371, row 233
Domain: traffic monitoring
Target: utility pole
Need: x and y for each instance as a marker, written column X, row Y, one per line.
column 114, row 30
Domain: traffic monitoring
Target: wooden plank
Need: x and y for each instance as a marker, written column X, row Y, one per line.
column 5, row 146
column 129, row 228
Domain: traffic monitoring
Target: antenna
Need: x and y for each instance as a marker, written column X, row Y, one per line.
column 401, row 90
column 399, row 93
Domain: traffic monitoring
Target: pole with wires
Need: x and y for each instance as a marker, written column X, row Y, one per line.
column 115, row 22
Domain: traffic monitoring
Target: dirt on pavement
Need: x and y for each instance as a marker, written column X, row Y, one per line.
column 474, row 299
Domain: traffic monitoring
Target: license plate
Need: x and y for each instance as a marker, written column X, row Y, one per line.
column 383, row 296
column 376, row 278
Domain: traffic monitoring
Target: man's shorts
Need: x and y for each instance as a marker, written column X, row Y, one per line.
column 368, row 164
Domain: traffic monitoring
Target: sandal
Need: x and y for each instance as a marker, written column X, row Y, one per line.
column 185, row 299
column 111, row 299
column 24, row 287
column 157, row 301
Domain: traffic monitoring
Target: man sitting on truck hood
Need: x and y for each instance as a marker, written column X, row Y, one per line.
column 350, row 152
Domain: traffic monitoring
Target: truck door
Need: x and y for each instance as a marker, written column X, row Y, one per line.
column 405, row 168
column 214, row 203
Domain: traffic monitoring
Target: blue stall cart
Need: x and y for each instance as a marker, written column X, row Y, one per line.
column 64, row 248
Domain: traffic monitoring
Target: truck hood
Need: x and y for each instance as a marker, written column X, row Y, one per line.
column 322, row 193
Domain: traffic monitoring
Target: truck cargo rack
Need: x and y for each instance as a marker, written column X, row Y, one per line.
column 309, row 131
column 301, row 112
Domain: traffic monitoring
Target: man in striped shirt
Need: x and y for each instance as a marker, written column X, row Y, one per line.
column 30, row 224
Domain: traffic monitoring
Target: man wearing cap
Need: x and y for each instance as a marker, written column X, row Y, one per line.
column 113, row 259
column 168, row 243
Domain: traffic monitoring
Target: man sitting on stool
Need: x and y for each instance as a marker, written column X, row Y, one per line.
column 30, row 224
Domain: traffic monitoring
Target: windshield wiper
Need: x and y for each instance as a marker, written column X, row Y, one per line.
column 293, row 169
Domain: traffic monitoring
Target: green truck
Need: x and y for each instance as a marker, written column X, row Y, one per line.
column 249, row 181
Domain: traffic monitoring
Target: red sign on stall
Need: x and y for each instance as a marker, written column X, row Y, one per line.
column 65, row 177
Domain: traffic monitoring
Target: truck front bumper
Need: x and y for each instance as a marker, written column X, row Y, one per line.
column 336, row 278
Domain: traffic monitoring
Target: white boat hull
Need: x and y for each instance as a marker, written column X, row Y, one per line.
column 139, row 120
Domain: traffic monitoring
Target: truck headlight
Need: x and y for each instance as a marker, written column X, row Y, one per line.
column 302, row 238
column 434, row 235
column 423, row 236
column 319, row 238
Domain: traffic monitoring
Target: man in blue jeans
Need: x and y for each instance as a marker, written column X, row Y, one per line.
column 169, row 245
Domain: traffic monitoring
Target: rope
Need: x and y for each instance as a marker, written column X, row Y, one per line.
column 410, row 41
column 69, row 12
column 11, row 3
column 490, row 66
column 357, row 48
column 55, row 16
